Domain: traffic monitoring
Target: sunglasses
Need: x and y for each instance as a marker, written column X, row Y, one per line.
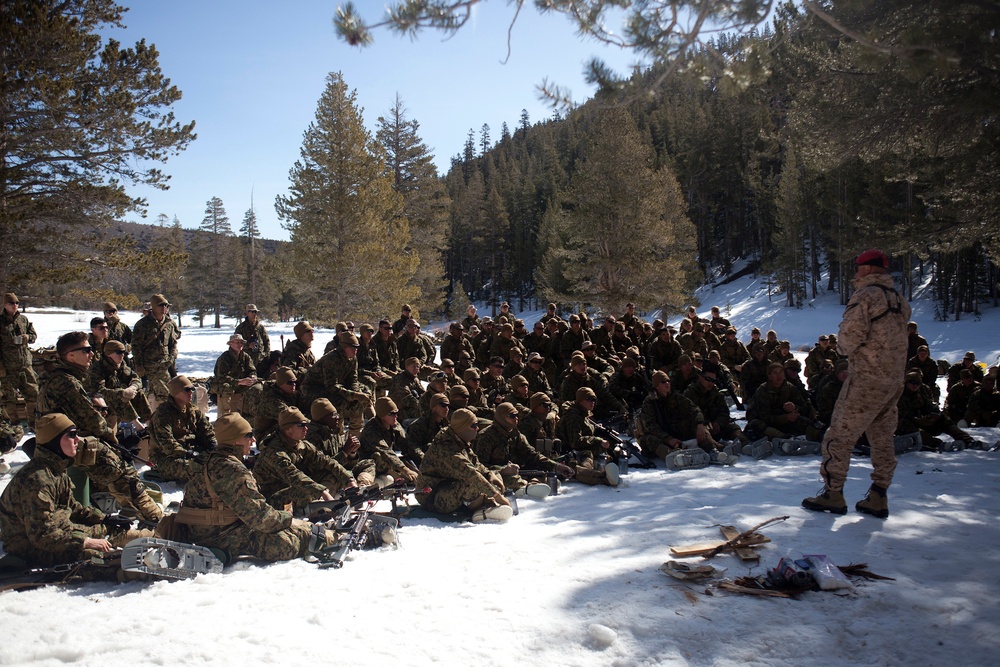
column 394, row 414
column 72, row 433
column 590, row 399
column 497, row 365
column 293, row 382
column 189, row 390
column 103, row 411
column 162, row 305
column 111, row 311
column 535, row 361
column 444, row 405
column 120, row 353
column 86, row 350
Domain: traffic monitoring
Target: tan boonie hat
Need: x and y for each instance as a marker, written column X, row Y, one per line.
column 252, row 308
column 237, row 338
column 178, row 384
column 158, row 300
column 289, row 416
column 49, row 427
column 230, row 428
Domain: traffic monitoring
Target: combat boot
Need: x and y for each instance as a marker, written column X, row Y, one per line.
column 827, row 501
column 874, row 503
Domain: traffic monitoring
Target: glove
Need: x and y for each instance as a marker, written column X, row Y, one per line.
column 116, row 522
column 408, row 475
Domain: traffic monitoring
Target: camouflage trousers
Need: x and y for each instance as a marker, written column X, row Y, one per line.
column 173, row 468
column 452, row 494
column 241, row 540
column 861, row 408
column 157, row 378
column 103, row 465
column 230, row 402
column 118, row 539
column 23, row 380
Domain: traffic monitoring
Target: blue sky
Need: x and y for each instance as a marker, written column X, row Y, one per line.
column 252, row 72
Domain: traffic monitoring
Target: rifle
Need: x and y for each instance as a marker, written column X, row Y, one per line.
column 353, row 498
column 624, row 447
column 13, row 577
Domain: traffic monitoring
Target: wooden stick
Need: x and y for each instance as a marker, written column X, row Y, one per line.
column 728, row 544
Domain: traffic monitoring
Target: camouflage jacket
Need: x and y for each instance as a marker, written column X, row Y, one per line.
column 405, row 391
column 173, row 432
column 752, row 376
column 420, row 433
column 298, row 357
column 534, row 426
column 111, row 381
column 601, row 337
column 368, row 359
column 258, row 342
column 606, row 402
column 492, row 387
column 13, row 352
column 826, row 399
column 40, row 519
column 298, row 467
column 957, row 401
column 672, row 416
column 453, row 346
column 680, row 382
column 711, row 402
column 236, row 488
column 571, row 342
column 816, row 358
column 914, row 405
column 927, row 368
column 538, row 381
column 873, row 331
column 733, row 353
column 691, row 344
column 496, row 447
column 768, row 403
column 388, row 352
column 536, row 343
column 272, row 402
column 154, row 344
column 984, row 407
column 576, row 430
column 448, row 459
column 378, row 444
column 63, row 390
column 631, row 391
column 418, row 346
column 663, row 355
column 955, row 377
column 501, row 347
column 230, row 368
column 119, row 331
column 334, row 377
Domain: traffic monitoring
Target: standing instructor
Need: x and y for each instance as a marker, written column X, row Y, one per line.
column 873, row 336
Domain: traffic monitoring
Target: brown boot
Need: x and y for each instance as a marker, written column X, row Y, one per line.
column 827, row 501
column 875, row 503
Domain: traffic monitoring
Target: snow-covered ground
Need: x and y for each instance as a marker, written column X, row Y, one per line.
column 574, row 579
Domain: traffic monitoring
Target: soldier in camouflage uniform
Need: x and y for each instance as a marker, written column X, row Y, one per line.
column 732, row 352
column 922, row 363
column 224, row 509
column 918, row 412
column 705, row 394
column 684, row 375
column 537, row 341
column 664, row 352
column 387, row 349
column 668, row 419
column 516, row 364
column 154, row 346
column 290, row 470
column 984, row 406
column 370, row 373
column 327, row 434
column 959, row 394
column 16, row 374
column 412, row 343
column 471, row 319
column 456, row 477
column 177, row 431
column 538, row 381
column 455, row 343
column 335, row 377
column 580, row 375
column 298, row 354
column 502, row 448
column 406, row 390
column 98, row 336
column 630, row 386
column 380, row 437
column 476, row 397
column 598, row 363
column 436, row 384
column 577, row 433
column 120, row 386
column 118, row 330
column 493, row 384
column 572, row 339
column 452, row 378
column 41, row 521
column 235, row 372
column 754, row 373
column 817, row 357
column 914, row 340
column 504, row 343
column 278, row 394
column 62, row 390
column 779, row 409
column 826, row 395
column 873, row 337
column 421, row 432
column 519, row 395
column 539, row 425
column 459, row 398
column 258, row 343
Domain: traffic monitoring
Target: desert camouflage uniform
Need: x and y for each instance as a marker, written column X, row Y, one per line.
column 154, row 351
column 62, row 390
column 666, row 417
column 501, row 347
column 368, row 368
column 492, row 387
column 16, row 373
column 272, row 402
column 331, row 443
column 538, row 381
column 454, row 474
column 680, row 382
column 335, row 377
column 535, row 343
column 570, row 342
column 984, row 407
column 814, row 363
column 415, row 346
column 873, row 336
column 175, row 435
column 405, row 391
column 242, row 522
column 752, row 376
column 258, row 342
column 536, row 427
column 298, row 357
column 631, row 391
column 928, row 369
column 43, row 523
column 296, row 472
column 110, row 381
column 497, row 446
column 119, row 331
column 378, row 444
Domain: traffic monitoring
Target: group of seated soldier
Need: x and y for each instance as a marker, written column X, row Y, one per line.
column 503, row 410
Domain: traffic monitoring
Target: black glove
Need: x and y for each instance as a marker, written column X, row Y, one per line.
column 116, row 522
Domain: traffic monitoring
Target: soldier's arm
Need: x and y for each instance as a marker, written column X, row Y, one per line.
column 47, row 526
column 329, row 470
column 32, row 336
column 237, row 488
column 162, row 440
column 281, row 466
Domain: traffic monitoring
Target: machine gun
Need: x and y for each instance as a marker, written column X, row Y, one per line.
column 354, row 512
column 625, row 447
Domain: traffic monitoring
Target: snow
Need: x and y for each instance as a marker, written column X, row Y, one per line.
column 574, row 579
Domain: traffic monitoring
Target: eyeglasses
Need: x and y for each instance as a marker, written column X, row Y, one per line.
column 72, row 433
column 189, row 390
column 86, row 350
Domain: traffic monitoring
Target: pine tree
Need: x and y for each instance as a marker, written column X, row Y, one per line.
column 348, row 231
column 213, row 287
column 632, row 239
column 250, row 238
column 425, row 203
